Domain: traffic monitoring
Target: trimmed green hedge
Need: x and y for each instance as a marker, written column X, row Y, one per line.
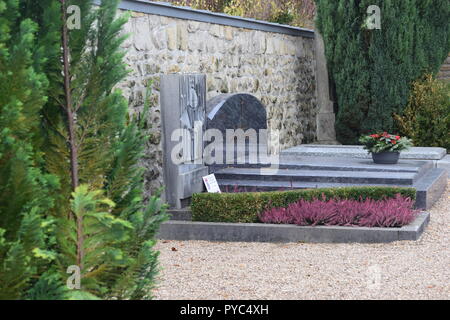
column 245, row 207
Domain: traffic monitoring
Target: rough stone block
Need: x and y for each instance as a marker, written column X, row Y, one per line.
column 193, row 26
column 172, row 36
column 229, row 33
column 182, row 36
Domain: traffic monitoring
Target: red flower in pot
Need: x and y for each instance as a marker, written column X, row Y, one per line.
column 384, row 147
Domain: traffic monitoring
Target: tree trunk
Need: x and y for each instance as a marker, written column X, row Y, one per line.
column 71, row 124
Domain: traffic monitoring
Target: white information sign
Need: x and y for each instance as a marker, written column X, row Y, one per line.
column 211, row 184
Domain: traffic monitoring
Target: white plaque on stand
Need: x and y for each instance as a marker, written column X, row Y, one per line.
column 211, row 184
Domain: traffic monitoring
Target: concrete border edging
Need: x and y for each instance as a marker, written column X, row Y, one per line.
column 258, row 232
column 186, row 13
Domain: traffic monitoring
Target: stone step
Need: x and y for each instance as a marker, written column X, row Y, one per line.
column 392, row 178
column 184, row 214
column 258, row 185
column 341, row 164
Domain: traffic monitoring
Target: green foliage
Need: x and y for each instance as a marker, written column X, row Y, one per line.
column 294, row 12
column 283, row 17
column 107, row 228
column 48, row 287
column 372, row 70
column 426, row 119
column 246, row 207
column 24, row 189
column 137, row 276
column 385, row 142
column 102, row 234
column 104, row 226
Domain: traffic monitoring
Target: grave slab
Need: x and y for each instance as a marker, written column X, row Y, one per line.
column 310, row 150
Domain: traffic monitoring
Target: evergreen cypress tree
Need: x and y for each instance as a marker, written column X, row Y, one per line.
column 82, row 136
column 93, row 146
column 340, row 24
column 24, row 189
column 392, row 65
column 373, row 69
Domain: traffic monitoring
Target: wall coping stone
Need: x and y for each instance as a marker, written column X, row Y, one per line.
column 187, row 13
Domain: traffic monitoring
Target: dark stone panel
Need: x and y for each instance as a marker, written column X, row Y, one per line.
column 236, row 111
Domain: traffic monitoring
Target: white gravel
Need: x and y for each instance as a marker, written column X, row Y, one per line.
column 403, row 270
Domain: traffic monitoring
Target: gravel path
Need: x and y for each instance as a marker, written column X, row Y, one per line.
column 402, row 270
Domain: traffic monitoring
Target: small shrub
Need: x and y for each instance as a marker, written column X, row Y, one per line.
column 298, row 13
column 426, row 119
column 246, row 207
column 282, row 17
column 389, row 213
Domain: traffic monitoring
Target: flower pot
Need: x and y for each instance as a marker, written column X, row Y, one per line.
column 386, row 157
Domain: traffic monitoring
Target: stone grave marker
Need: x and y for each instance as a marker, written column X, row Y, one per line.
column 233, row 112
column 183, row 111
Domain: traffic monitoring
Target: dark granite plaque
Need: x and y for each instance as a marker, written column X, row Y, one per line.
column 235, row 111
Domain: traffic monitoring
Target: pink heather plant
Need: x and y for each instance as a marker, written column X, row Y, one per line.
column 388, row 213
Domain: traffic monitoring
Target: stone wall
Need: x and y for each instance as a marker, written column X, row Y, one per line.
column 277, row 68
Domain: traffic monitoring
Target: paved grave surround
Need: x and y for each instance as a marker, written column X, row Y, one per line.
column 320, row 167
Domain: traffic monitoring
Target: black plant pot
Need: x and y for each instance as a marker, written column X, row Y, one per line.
column 386, row 157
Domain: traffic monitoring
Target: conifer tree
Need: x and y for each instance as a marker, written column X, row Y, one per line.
column 24, row 189
column 68, row 121
column 340, row 24
column 93, row 146
column 373, row 69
